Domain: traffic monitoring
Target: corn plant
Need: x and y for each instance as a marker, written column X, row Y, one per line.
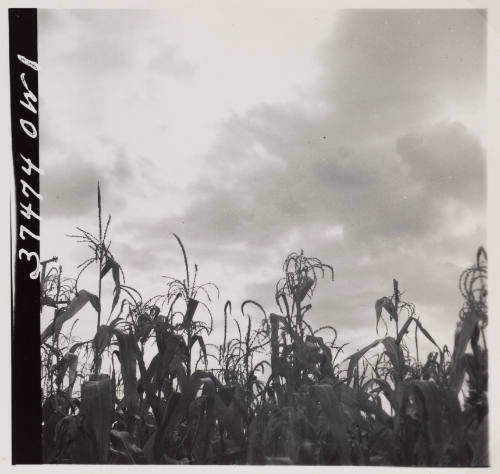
column 156, row 390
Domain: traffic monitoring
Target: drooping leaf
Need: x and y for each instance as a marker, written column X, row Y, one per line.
column 106, row 267
column 62, row 367
column 426, row 334
column 76, row 304
column 354, row 358
column 68, row 365
column 115, row 269
column 394, row 353
column 404, row 329
column 72, row 372
column 201, row 342
column 391, row 350
column 277, row 318
column 102, row 338
column 192, row 304
column 387, row 304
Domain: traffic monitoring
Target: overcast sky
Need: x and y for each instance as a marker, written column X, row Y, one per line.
column 354, row 135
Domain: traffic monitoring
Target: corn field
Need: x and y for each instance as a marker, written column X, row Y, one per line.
column 149, row 388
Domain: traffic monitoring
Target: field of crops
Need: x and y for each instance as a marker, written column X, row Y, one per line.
column 274, row 391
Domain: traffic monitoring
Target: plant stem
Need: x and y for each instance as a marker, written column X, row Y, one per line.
column 396, row 314
column 55, row 339
column 189, row 352
column 101, row 246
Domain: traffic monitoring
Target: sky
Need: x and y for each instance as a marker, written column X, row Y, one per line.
column 356, row 135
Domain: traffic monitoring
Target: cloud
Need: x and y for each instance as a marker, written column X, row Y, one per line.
column 165, row 60
column 404, row 194
column 367, row 149
column 375, row 168
column 105, row 43
column 370, row 171
column 74, row 194
column 389, row 69
column 448, row 160
column 69, row 195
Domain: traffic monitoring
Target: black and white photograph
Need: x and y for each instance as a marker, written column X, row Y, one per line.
column 249, row 233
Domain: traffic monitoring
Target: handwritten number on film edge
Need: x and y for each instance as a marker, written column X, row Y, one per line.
column 26, row 211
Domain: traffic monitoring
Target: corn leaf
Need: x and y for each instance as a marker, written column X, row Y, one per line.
column 354, row 358
column 432, row 416
column 387, row 304
column 463, row 335
column 426, row 334
column 127, row 355
column 97, row 408
column 192, row 304
column 404, row 329
column 394, row 352
column 332, row 409
column 174, row 410
column 386, row 389
column 359, row 400
column 76, row 304
column 201, row 343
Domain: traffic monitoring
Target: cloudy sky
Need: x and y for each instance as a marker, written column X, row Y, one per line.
column 357, row 136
